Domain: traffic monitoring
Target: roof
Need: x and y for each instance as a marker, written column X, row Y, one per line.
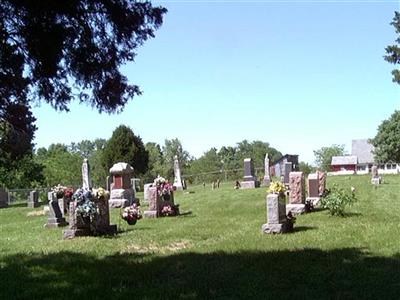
column 344, row 160
column 285, row 156
column 363, row 150
column 121, row 168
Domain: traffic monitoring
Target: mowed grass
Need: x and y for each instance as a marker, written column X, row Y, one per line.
column 215, row 250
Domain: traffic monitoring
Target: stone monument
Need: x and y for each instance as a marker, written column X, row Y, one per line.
column 146, row 191
column 122, row 192
column 276, row 215
column 3, row 198
column 297, row 194
column 287, row 168
column 177, row 175
column 249, row 180
column 313, row 188
column 56, row 217
column 376, row 179
column 321, row 183
column 267, row 177
column 155, row 202
column 33, row 199
column 86, row 183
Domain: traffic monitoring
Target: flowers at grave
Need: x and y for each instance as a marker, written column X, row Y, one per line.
column 87, row 209
column 164, row 188
column 58, row 190
column 101, row 194
column 276, row 187
column 85, row 205
column 169, row 209
column 131, row 214
column 68, row 192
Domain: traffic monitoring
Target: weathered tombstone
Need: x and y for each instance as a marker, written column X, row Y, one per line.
column 276, row 215
column 321, row 182
column 33, row 199
column 77, row 227
column 267, row 177
column 177, row 175
column 103, row 219
column 56, row 217
column 154, row 203
column 86, row 183
column 287, row 169
column 297, row 194
column 376, row 179
column 249, row 180
column 3, row 198
column 146, row 191
column 313, row 189
column 122, row 193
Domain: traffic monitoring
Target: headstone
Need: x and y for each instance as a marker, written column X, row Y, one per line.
column 154, row 204
column 276, row 215
column 376, row 179
column 321, row 182
column 103, row 219
column 146, row 191
column 249, row 180
column 286, row 171
column 33, row 199
column 76, row 225
column 122, row 192
column 86, row 184
column 56, row 218
column 3, row 198
column 177, row 175
column 267, row 177
column 297, row 194
column 313, row 187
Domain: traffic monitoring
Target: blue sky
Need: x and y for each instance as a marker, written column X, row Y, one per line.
column 299, row 75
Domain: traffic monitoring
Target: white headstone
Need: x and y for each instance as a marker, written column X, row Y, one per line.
column 85, row 175
column 177, row 173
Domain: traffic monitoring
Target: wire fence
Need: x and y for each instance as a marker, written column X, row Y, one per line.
column 17, row 196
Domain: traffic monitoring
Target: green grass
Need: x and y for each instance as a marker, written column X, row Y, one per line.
column 217, row 251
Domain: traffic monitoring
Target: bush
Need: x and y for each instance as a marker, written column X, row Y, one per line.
column 337, row 199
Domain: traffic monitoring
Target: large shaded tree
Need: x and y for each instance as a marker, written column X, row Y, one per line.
column 393, row 51
column 125, row 146
column 387, row 140
column 323, row 156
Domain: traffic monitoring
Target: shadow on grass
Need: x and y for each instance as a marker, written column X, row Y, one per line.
column 303, row 228
column 309, row 274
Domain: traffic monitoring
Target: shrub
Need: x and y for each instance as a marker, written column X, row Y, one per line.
column 337, row 199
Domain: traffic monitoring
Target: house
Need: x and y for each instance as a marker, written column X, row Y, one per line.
column 364, row 152
column 277, row 168
column 344, row 165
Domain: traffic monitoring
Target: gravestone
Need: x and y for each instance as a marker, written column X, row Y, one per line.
column 177, row 175
column 267, row 177
column 3, row 198
column 103, row 219
column 86, row 183
column 376, row 179
column 249, row 180
column 313, row 187
column 146, row 192
column 297, row 194
column 33, row 199
column 77, row 227
column 321, row 183
column 276, row 215
column 154, row 203
column 287, row 168
column 122, row 192
column 56, row 217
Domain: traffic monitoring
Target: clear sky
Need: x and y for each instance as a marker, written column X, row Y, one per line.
column 299, row 75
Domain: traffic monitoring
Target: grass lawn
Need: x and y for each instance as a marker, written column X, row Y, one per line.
column 217, row 251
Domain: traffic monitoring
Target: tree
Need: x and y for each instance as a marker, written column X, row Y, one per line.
column 393, row 51
column 124, row 146
column 170, row 149
column 209, row 162
column 323, row 156
column 57, row 51
column 156, row 162
column 387, row 140
column 306, row 168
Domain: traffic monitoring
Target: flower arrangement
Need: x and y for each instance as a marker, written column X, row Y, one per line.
column 85, row 205
column 276, row 187
column 100, row 194
column 169, row 210
column 164, row 188
column 131, row 214
column 59, row 190
column 68, row 192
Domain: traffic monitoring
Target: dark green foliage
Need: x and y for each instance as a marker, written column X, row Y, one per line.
column 156, row 163
column 393, row 51
column 124, row 146
column 306, row 168
column 323, row 156
column 337, row 199
column 170, row 149
column 387, row 140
